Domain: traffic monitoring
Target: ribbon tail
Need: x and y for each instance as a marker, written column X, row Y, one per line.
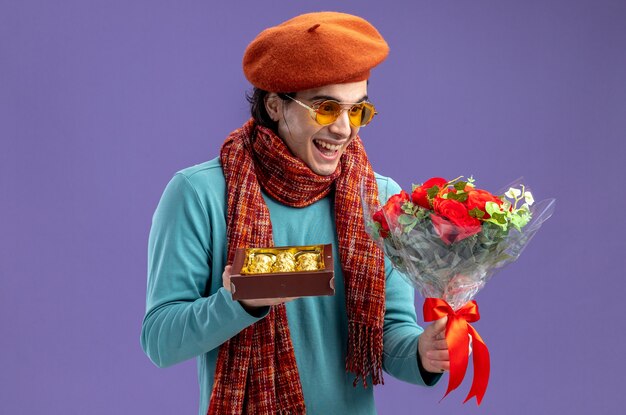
column 481, row 367
column 458, row 344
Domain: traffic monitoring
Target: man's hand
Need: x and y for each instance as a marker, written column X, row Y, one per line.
column 251, row 305
column 433, row 348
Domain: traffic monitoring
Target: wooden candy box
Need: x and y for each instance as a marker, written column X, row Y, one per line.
column 282, row 271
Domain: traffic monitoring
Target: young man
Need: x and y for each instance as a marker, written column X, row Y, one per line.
column 290, row 176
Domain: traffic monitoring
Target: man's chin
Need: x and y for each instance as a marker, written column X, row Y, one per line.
column 326, row 170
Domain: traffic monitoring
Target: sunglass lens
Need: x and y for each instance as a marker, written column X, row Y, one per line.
column 362, row 114
column 356, row 115
column 367, row 113
column 327, row 112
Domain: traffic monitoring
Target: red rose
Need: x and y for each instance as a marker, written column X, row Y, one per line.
column 455, row 211
column 477, row 199
column 393, row 207
column 384, row 226
column 391, row 211
column 452, row 221
column 449, row 232
column 420, row 194
column 434, row 181
column 420, row 197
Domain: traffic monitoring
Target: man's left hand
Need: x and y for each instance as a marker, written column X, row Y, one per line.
column 433, row 348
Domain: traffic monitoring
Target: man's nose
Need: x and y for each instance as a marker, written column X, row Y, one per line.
column 341, row 126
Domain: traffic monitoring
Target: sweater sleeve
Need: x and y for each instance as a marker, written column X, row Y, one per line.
column 180, row 322
column 401, row 331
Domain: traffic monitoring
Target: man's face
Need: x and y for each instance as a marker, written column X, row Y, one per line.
column 319, row 146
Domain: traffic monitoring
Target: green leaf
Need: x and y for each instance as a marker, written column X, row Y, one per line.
column 432, row 192
column 521, row 219
column 518, row 221
column 499, row 217
column 422, row 213
column 460, row 185
column 491, row 208
column 406, row 219
column 476, row 213
column 407, row 207
column 410, row 226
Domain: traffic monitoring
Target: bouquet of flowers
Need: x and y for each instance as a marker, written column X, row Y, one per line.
column 447, row 238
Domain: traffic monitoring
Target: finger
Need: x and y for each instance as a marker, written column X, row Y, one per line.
column 440, row 325
column 268, row 302
column 226, row 273
column 260, row 302
column 436, row 366
column 440, row 345
column 226, row 278
column 438, row 355
column 443, row 366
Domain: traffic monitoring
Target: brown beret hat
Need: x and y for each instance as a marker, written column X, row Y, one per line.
column 313, row 50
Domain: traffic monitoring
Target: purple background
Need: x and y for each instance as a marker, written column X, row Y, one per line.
column 102, row 101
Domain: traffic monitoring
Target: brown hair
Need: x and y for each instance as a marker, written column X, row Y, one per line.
column 256, row 98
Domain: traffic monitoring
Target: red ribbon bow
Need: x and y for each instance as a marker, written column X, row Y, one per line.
column 457, row 330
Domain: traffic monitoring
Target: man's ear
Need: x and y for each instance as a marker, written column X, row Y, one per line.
column 273, row 105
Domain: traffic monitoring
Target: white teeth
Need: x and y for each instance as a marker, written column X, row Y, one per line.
column 327, row 146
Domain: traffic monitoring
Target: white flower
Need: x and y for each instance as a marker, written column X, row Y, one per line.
column 513, row 193
column 528, row 197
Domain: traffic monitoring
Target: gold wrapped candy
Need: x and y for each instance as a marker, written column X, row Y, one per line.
column 285, row 262
column 308, row 262
column 260, row 263
column 275, row 260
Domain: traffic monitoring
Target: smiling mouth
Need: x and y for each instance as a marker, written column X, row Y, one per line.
column 327, row 148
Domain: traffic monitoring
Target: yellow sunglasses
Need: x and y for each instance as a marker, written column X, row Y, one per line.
column 326, row 112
